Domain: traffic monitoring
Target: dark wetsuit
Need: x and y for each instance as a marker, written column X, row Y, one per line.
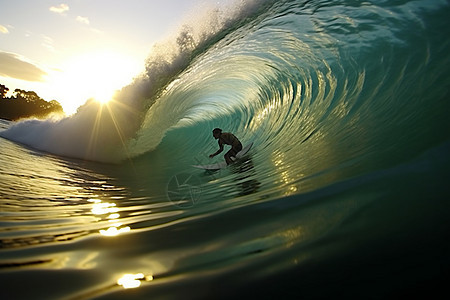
column 228, row 138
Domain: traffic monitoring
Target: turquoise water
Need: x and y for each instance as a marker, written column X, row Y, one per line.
column 343, row 195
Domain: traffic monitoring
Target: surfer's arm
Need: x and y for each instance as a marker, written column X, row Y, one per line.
column 218, row 151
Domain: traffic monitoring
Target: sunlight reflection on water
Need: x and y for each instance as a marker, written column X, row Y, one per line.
column 107, row 208
column 131, row 281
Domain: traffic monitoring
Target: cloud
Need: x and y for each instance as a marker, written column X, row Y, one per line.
column 60, row 9
column 3, row 29
column 83, row 20
column 47, row 42
column 12, row 65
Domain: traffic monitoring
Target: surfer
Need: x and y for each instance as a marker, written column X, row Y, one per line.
column 226, row 138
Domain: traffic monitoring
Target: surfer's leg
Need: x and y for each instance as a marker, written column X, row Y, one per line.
column 228, row 155
column 237, row 148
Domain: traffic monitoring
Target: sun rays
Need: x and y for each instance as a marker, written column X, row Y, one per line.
column 111, row 128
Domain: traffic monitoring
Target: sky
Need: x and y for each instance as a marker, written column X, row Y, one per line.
column 74, row 50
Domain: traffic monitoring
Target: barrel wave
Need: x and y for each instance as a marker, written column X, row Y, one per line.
column 343, row 194
column 321, row 90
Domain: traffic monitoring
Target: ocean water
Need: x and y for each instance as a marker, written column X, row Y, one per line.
column 345, row 193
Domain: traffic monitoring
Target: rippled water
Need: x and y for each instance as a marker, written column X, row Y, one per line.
column 344, row 193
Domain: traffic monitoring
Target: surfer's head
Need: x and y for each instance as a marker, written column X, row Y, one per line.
column 217, row 132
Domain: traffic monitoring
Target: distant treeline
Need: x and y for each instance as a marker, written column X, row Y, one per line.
column 24, row 104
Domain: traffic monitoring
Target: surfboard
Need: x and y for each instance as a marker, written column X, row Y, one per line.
column 223, row 164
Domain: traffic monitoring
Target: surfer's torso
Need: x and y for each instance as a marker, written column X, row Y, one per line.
column 228, row 138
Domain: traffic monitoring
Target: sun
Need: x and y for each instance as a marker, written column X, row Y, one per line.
column 95, row 75
column 103, row 96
